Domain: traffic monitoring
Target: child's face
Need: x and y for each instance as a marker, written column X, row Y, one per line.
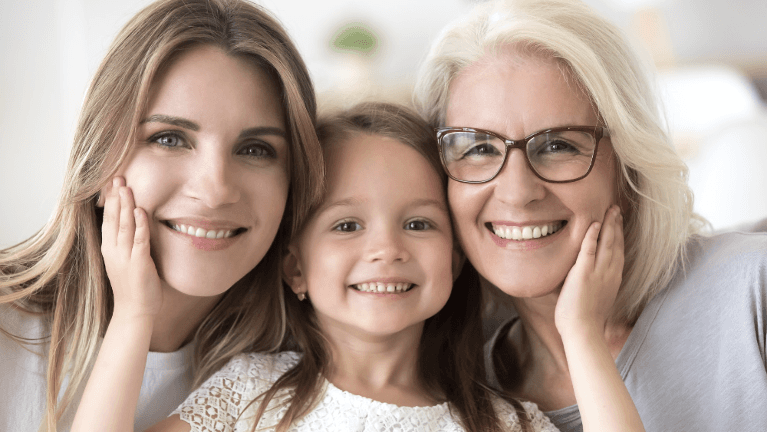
column 384, row 224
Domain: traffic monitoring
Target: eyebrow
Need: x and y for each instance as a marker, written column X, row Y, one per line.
column 188, row 124
column 348, row 202
column 263, row 130
column 175, row 121
column 429, row 203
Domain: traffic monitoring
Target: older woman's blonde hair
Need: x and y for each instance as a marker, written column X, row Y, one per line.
column 59, row 272
column 652, row 178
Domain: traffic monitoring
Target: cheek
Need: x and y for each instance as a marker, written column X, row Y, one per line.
column 466, row 202
column 268, row 193
column 150, row 179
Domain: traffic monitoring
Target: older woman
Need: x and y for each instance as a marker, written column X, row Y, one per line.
column 545, row 120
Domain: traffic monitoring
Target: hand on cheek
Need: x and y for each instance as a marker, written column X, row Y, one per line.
column 125, row 248
column 591, row 286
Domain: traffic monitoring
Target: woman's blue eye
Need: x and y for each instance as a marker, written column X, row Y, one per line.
column 417, row 225
column 347, row 227
column 258, row 151
column 167, row 140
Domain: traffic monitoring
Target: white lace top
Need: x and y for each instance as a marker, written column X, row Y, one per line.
column 216, row 405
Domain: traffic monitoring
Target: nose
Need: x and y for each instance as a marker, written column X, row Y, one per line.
column 386, row 246
column 212, row 179
column 517, row 184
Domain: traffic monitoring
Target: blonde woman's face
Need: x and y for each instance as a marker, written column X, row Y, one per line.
column 516, row 96
column 210, row 167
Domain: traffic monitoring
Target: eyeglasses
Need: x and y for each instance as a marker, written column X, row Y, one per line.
column 557, row 155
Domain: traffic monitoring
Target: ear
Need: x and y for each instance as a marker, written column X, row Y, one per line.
column 292, row 273
column 458, row 259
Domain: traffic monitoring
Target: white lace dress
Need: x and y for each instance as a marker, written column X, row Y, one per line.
column 217, row 404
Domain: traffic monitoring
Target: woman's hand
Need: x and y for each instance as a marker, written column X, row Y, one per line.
column 125, row 247
column 592, row 284
column 111, row 395
column 581, row 315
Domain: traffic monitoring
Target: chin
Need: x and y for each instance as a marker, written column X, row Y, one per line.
column 524, row 283
column 196, row 285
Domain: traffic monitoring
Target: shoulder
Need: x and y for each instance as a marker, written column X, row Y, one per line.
column 734, row 258
column 537, row 419
column 264, row 366
column 221, row 400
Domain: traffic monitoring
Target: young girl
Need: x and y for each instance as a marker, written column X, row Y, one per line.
column 206, row 111
column 382, row 343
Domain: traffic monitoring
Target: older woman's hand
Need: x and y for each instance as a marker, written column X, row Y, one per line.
column 591, row 286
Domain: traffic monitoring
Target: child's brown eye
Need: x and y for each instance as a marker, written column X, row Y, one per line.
column 417, row 225
column 348, row 227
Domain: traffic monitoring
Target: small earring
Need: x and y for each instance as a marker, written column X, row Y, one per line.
column 301, row 296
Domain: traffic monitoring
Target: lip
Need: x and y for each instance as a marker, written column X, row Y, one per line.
column 204, row 223
column 531, row 244
column 384, row 280
column 201, row 243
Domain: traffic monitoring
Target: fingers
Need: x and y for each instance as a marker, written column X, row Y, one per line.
column 109, row 226
column 610, row 248
column 127, row 225
column 141, row 239
column 588, row 252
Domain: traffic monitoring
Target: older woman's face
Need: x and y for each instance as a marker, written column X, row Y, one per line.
column 516, row 95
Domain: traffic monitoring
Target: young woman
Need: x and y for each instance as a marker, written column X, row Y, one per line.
column 382, row 342
column 206, row 111
column 555, row 103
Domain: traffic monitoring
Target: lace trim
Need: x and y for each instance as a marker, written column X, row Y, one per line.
column 221, row 404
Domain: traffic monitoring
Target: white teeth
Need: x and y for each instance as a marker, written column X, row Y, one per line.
column 526, row 232
column 381, row 287
column 200, row 232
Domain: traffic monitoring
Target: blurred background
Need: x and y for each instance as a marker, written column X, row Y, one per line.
column 711, row 58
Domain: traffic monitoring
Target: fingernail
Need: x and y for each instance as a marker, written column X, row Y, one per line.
column 115, row 182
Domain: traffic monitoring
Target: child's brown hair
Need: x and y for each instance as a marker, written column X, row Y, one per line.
column 450, row 361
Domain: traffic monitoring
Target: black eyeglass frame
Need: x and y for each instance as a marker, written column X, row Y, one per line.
column 598, row 132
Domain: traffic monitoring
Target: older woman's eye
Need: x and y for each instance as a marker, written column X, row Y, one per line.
column 481, row 150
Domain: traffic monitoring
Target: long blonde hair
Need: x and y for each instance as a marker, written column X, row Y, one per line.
column 59, row 272
column 652, row 178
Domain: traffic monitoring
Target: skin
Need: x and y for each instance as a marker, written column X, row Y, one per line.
column 384, row 219
column 564, row 339
column 211, row 152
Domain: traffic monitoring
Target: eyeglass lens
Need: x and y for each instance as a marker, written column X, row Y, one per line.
column 555, row 156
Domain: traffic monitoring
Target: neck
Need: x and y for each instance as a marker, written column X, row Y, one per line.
column 178, row 319
column 542, row 339
column 379, row 367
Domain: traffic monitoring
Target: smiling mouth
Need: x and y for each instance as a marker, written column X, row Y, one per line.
column 383, row 287
column 203, row 233
column 529, row 232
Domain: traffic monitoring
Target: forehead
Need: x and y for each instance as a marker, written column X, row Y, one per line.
column 515, row 92
column 378, row 168
column 203, row 79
